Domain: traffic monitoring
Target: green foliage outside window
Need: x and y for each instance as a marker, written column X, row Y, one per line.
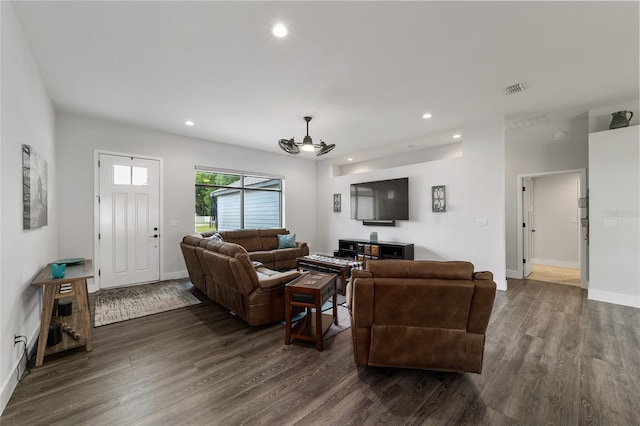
column 207, row 182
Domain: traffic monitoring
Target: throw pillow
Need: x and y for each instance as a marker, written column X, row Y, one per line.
column 287, row 241
column 217, row 237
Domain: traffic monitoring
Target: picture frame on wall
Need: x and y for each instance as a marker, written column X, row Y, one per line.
column 34, row 189
column 438, row 199
column 337, row 203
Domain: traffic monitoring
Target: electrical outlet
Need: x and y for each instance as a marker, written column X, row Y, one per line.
column 481, row 222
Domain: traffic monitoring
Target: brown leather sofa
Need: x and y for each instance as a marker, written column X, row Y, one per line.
column 420, row 314
column 262, row 246
column 226, row 274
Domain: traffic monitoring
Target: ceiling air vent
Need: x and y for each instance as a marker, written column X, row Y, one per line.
column 515, row 88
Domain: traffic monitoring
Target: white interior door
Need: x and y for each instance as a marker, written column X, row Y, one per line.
column 527, row 228
column 129, row 236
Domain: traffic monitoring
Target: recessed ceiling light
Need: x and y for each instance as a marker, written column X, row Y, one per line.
column 349, row 159
column 189, row 123
column 427, row 115
column 457, row 136
column 279, row 30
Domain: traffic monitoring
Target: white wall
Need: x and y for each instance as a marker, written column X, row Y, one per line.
column 474, row 184
column 534, row 150
column 614, row 210
column 27, row 118
column 555, row 217
column 78, row 137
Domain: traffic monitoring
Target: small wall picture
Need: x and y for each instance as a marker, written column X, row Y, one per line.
column 438, row 199
column 34, row 189
column 337, row 203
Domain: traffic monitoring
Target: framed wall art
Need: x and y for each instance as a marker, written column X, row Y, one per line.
column 438, row 199
column 337, row 203
column 34, row 189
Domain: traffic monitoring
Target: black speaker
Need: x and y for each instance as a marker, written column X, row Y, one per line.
column 65, row 308
column 55, row 334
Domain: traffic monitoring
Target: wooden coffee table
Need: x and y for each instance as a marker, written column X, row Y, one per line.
column 337, row 265
column 310, row 291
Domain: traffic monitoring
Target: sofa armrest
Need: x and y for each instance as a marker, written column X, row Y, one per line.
column 304, row 247
column 277, row 279
column 362, row 301
column 481, row 305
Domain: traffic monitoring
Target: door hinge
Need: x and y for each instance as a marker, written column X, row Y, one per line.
column 523, row 189
column 524, row 260
column 524, row 225
column 98, row 235
column 99, row 272
column 98, row 163
column 98, row 199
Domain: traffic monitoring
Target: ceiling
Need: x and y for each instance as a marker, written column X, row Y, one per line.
column 365, row 71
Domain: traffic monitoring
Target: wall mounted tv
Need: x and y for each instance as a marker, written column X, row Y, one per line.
column 381, row 202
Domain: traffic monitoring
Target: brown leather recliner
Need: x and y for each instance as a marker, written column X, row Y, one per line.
column 420, row 314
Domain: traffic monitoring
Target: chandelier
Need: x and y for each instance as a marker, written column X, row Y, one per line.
column 292, row 147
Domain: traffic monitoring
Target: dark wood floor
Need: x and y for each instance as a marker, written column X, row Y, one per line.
column 552, row 357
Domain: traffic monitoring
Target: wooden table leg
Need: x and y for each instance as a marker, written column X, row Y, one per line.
column 318, row 300
column 335, row 306
column 287, row 316
column 80, row 289
column 45, row 321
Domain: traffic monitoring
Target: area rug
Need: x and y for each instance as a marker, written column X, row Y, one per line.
column 122, row 304
column 344, row 320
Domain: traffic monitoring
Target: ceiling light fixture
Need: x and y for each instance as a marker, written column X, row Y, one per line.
column 292, row 147
column 349, row 159
column 427, row 115
column 279, row 30
column 457, row 136
column 189, row 123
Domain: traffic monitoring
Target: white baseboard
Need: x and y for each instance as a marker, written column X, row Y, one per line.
column 177, row 275
column 501, row 284
column 11, row 382
column 558, row 263
column 615, row 298
column 513, row 274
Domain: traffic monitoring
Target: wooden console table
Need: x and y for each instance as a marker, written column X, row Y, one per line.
column 310, row 291
column 76, row 278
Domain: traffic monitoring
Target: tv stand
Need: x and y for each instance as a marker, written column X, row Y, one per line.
column 364, row 250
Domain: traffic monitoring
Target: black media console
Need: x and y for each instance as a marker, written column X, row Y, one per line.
column 364, row 249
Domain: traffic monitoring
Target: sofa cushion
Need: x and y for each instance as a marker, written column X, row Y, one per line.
column 426, row 269
column 269, row 237
column 247, row 238
column 265, row 257
column 286, row 241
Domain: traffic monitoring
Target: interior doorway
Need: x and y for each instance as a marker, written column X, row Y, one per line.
column 552, row 243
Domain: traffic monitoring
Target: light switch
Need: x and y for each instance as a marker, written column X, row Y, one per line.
column 174, row 223
column 610, row 223
column 481, row 222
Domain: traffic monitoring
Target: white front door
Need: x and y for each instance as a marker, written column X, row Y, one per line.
column 129, row 236
column 527, row 228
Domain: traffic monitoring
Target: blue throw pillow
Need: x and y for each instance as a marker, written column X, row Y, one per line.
column 287, row 241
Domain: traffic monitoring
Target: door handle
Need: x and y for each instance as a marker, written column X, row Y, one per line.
column 154, row 235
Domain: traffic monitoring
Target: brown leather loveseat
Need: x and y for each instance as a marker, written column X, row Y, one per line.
column 420, row 314
column 226, row 274
column 262, row 246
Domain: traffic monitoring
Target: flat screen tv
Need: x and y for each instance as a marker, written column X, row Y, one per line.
column 383, row 200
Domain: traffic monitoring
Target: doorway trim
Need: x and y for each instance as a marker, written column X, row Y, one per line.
column 94, row 285
column 582, row 243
